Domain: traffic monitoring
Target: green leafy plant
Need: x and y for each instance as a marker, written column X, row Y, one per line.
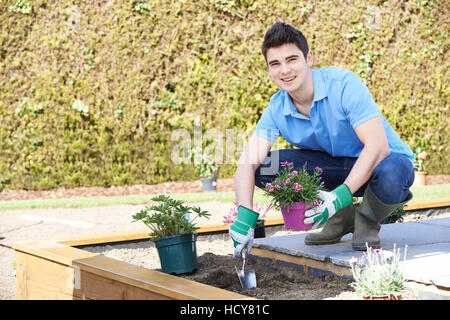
column 291, row 186
column 395, row 216
column 377, row 273
column 169, row 218
column 204, row 163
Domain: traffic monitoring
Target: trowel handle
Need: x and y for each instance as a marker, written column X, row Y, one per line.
column 244, row 253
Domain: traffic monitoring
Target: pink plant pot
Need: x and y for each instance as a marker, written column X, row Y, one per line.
column 293, row 220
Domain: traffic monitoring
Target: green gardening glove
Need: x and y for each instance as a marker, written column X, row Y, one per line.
column 243, row 229
column 333, row 201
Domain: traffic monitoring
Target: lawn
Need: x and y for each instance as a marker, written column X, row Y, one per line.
column 420, row 193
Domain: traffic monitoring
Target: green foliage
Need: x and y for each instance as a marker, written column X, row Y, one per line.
column 395, row 216
column 291, row 186
column 90, row 92
column 169, row 218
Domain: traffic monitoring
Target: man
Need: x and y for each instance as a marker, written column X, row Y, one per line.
column 332, row 119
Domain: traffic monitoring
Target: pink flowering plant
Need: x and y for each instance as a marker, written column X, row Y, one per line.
column 233, row 212
column 291, row 186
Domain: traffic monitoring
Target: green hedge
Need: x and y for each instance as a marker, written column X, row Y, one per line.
column 90, row 92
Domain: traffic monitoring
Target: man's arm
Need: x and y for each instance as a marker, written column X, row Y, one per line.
column 376, row 148
column 254, row 153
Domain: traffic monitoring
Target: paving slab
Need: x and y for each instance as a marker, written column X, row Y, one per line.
column 427, row 249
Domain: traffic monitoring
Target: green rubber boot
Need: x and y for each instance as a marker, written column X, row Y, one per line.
column 367, row 218
column 334, row 229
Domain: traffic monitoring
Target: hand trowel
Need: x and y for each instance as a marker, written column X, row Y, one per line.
column 246, row 278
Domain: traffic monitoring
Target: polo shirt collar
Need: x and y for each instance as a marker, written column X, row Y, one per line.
column 319, row 93
column 289, row 107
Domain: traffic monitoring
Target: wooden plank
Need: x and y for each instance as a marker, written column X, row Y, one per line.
column 427, row 204
column 128, row 235
column 95, row 287
column 54, row 272
column 52, row 251
column 38, row 278
column 159, row 283
column 327, row 266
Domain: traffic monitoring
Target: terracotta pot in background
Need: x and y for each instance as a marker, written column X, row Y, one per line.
column 420, row 178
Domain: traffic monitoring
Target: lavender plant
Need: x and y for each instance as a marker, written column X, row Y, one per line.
column 377, row 273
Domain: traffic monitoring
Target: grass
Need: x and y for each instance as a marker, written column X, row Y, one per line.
column 420, row 193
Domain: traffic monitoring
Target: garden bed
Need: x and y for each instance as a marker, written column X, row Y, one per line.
column 216, row 267
column 121, row 268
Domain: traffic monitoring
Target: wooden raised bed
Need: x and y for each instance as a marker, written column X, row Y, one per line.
column 56, row 270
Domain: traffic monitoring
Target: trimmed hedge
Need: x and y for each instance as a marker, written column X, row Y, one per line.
column 91, row 92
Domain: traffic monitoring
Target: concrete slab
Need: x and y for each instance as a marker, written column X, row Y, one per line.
column 427, row 255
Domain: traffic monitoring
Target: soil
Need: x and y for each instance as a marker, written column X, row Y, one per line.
column 216, row 267
column 274, row 282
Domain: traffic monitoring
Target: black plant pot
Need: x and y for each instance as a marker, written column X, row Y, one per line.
column 260, row 231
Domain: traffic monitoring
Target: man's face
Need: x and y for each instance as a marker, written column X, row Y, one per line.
column 287, row 66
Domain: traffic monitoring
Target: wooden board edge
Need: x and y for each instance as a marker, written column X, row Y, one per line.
column 302, row 261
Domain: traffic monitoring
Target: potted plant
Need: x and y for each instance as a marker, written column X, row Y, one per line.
column 208, row 169
column 420, row 173
column 294, row 192
column 173, row 232
column 262, row 211
column 377, row 275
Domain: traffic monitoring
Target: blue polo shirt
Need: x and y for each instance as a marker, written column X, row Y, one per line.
column 341, row 103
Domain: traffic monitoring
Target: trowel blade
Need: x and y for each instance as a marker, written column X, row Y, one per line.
column 246, row 278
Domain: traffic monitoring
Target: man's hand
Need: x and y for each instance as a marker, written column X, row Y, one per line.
column 243, row 241
column 242, row 230
column 332, row 202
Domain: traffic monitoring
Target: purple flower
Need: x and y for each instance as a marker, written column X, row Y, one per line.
column 318, row 169
column 294, row 173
